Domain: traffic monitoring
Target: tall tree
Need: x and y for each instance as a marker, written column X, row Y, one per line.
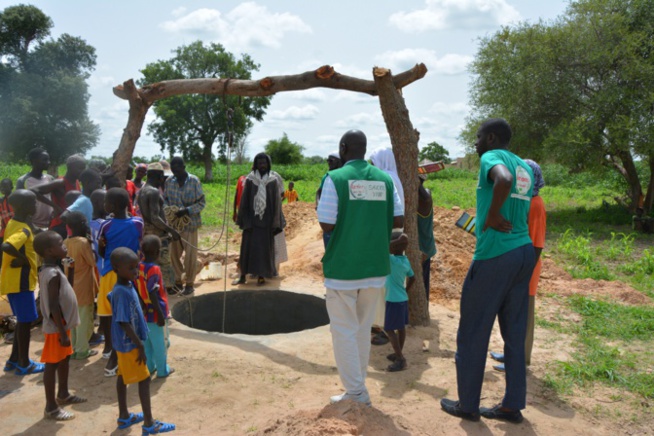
column 434, row 152
column 43, row 90
column 191, row 124
column 283, row 151
column 577, row 90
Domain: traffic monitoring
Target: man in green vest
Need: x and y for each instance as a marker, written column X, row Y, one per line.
column 497, row 284
column 360, row 207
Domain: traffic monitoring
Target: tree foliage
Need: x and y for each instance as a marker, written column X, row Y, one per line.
column 191, row 124
column 283, row 151
column 434, row 152
column 43, row 90
column 577, row 90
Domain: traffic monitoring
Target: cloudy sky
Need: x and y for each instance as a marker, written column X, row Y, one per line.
column 291, row 37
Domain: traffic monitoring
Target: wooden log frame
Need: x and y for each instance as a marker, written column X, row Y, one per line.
column 385, row 85
column 404, row 139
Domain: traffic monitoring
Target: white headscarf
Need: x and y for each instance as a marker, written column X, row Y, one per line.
column 384, row 159
column 261, row 182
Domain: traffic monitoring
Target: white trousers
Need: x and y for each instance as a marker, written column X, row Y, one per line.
column 351, row 314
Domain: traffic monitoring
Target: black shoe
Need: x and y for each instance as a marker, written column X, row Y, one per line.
column 188, row 290
column 454, row 408
column 496, row 412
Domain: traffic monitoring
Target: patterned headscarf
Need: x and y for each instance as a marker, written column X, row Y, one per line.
column 261, row 181
column 539, row 182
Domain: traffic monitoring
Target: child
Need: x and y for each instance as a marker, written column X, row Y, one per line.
column 153, row 293
column 85, row 284
column 290, row 194
column 119, row 231
column 6, row 211
column 18, row 279
column 59, row 308
column 397, row 307
column 129, row 331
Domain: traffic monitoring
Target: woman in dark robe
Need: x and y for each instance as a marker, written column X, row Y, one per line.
column 260, row 218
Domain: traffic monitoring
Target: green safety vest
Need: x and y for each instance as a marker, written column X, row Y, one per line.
column 359, row 245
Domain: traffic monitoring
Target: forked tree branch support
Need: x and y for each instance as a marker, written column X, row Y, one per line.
column 323, row 77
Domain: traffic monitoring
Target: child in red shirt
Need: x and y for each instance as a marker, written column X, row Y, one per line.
column 151, row 289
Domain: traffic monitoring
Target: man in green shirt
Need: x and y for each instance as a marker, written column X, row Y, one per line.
column 360, row 206
column 497, row 283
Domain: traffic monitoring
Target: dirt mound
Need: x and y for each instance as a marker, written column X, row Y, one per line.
column 449, row 267
column 343, row 418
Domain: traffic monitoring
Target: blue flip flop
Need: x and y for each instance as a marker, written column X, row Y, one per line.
column 10, row 366
column 134, row 418
column 157, row 427
column 33, row 368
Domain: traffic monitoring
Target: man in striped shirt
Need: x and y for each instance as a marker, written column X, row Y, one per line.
column 184, row 191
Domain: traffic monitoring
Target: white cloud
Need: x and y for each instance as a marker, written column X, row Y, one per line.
column 456, row 14
column 96, row 81
column 449, row 64
column 312, row 95
column 295, row 113
column 448, row 109
column 246, row 26
column 361, row 120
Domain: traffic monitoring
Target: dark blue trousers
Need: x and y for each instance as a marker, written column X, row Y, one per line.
column 494, row 287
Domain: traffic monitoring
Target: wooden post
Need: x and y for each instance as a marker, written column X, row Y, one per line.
column 404, row 139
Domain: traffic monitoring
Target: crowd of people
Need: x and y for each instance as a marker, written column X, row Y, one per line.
column 94, row 247
column 124, row 245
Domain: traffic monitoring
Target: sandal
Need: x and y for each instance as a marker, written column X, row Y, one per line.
column 261, row 281
column 33, row 368
column 106, row 355
column 71, row 399
column 239, row 281
column 111, row 372
column 10, row 366
column 134, row 418
column 158, row 427
column 170, row 371
column 398, row 365
column 58, row 414
column 88, row 354
column 379, row 339
column 392, row 357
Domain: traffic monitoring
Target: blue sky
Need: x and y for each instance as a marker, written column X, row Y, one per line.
column 291, row 37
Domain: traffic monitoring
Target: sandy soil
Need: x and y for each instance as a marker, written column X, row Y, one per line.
column 280, row 384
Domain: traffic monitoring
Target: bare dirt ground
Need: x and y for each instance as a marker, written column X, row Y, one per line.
column 280, row 384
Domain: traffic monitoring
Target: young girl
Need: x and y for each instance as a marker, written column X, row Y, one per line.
column 59, row 308
column 85, row 284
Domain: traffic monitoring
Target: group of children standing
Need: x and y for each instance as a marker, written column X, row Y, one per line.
column 131, row 300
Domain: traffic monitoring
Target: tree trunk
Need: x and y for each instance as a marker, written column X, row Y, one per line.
column 649, row 197
column 631, row 175
column 208, row 163
column 138, row 108
column 404, row 139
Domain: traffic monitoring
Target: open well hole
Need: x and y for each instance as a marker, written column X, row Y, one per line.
column 253, row 312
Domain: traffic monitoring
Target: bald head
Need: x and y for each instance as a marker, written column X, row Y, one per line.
column 353, row 145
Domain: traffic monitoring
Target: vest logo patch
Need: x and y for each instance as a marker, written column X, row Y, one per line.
column 367, row 190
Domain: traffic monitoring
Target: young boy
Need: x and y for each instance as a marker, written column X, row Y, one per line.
column 85, row 284
column 18, row 279
column 129, row 331
column 151, row 288
column 397, row 307
column 290, row 194
column 6, row 211
column 119, row 231
column 59, row 308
